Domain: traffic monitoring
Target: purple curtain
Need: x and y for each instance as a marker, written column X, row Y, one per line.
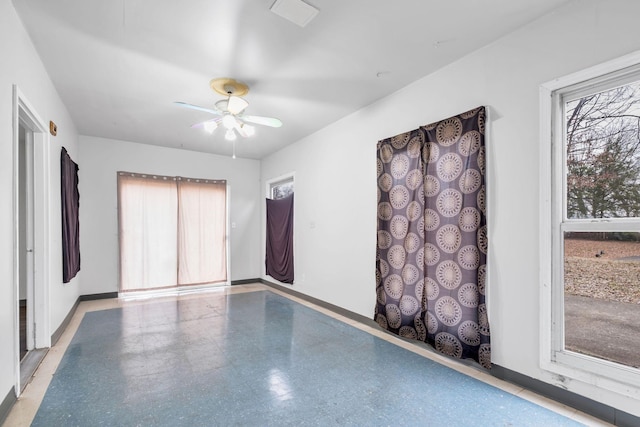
column 70, row 221
column 279, row 254
column 432, row 236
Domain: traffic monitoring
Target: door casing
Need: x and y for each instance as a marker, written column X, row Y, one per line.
column 25, row 115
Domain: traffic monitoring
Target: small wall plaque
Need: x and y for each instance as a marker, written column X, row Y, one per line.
column 53, row 129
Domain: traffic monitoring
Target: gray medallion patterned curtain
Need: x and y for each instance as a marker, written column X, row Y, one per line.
column 432, row 236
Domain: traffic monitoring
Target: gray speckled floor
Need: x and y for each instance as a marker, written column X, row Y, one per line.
column 259, row 359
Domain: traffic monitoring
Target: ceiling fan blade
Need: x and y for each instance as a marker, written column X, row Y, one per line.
column 206, row 123
column 265, row 121
column 195, row 107
column 236, row 105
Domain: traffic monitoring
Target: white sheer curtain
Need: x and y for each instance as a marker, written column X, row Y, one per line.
column 172, row 231
column 148, row 232
column 201, row 233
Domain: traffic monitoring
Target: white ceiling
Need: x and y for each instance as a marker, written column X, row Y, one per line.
column 120, row 64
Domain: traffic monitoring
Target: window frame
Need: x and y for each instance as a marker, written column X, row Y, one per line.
column 561, row 364
column 283, row 179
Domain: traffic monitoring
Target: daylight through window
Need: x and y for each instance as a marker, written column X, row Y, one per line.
column 599, row 230
column 281, row 189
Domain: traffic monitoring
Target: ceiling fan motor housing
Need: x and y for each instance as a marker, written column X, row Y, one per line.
column 227, row 87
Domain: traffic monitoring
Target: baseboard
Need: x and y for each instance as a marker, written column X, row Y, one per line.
column 7, row 404
column 336, row 309
column 581, row 403
column 58, row 333
column 245, row 281
column 104, row 295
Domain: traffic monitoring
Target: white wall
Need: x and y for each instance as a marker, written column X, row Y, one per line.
column 100, row 159
column 21, row 65
column 336, row 172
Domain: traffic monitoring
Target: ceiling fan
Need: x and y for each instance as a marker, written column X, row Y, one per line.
column 230, row 111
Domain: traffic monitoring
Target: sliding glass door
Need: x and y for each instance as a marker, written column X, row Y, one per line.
column 172, row 231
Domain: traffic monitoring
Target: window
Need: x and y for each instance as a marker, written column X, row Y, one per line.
column 281, row 189
column 279, row 236
column 594, row 201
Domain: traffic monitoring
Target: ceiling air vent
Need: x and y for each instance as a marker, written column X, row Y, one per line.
column 296, row 11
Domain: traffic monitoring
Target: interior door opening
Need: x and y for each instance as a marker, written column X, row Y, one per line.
column 25, row 239
column 31, row 257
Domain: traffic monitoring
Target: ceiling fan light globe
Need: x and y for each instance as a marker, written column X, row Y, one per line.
column 249, row 130
column 209, row 127
column 229, row 122
column 230, row 135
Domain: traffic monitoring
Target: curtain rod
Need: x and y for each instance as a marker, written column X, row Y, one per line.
column 173, row 178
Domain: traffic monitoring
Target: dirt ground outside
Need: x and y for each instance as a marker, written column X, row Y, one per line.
column 602, row 299
column 603, row 269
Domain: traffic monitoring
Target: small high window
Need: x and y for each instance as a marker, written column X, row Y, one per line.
column 281, row 189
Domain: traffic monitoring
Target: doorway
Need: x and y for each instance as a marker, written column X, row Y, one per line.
column 25, row 239
column 31, row 239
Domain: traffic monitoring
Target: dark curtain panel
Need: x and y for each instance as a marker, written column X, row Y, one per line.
column 432, row 236
column 70, row 220
column 279, row 255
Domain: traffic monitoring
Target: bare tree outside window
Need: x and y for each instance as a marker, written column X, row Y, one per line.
column 603, row 154
column 282, row 189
